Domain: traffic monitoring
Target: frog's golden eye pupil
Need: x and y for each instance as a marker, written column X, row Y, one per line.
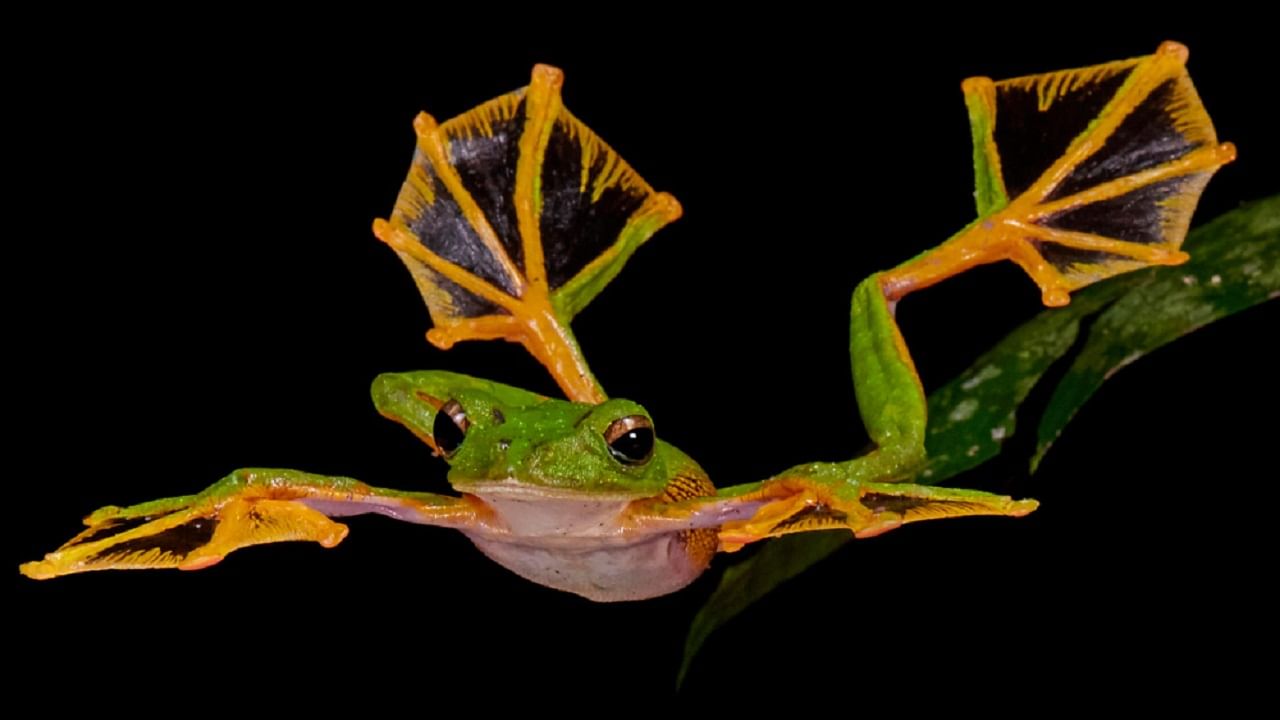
column 449, row 428
column 630, row 439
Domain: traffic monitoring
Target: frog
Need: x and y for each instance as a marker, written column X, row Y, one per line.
column 515, row 215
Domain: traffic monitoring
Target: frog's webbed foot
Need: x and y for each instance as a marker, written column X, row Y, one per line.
column 248, row 507
column 1081, row 174
column 514, row 216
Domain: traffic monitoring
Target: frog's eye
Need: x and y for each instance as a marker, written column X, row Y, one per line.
column 630, row 439
column 450, row 427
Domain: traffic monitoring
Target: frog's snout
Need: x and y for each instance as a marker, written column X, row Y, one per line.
column 398, row 398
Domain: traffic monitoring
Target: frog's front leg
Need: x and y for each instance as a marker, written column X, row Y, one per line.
column 821, row 496
column 818, row 496
column 248, row 507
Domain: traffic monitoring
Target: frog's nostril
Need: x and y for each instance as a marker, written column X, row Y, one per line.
column 504, row 443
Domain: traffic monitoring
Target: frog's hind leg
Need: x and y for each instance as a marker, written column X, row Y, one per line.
column 1080, row 174
column 1104, row 164
column 513, row 217
column 867, row 494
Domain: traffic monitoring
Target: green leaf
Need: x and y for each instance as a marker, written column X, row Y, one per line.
column 971, row 416
column 1236, row 264
column 748, row 581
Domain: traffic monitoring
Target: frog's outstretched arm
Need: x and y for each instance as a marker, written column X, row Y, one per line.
column 248, row 507
column 514, row 216
column 1105, row 165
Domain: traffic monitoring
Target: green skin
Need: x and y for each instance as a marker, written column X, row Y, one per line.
column 540, row 442
column 541, row 490
column 556, row 505
column 555, row 444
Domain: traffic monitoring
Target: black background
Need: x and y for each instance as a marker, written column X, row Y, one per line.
column 197, row 289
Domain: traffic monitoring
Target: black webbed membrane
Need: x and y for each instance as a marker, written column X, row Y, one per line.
column 513, row 216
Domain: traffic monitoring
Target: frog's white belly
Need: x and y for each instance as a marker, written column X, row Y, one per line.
column 656, row 565
column 574, row 544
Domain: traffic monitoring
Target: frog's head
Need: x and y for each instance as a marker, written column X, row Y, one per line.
column 497, row 435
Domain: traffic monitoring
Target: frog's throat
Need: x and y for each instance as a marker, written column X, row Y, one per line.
column 511, row 488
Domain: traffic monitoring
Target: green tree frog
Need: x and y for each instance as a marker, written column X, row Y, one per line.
column 515, row 215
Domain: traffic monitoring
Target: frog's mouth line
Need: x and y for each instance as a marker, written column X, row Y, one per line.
column 513, row 489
